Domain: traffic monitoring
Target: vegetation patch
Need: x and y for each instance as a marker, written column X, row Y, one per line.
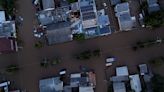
column 158, row 83
column 79, row 37
column 155, row 19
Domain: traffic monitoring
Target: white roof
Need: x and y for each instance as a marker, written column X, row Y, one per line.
column 119, row 87
column 122, row 71
column 76, row 75
column 135, row 83
column 2, row 16
column 86, row 89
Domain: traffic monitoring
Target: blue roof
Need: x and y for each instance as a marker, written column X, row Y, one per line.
column 103, row 20
column 105, row 30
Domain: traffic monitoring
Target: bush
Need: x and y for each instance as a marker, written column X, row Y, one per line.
column 72, row 1
column 8, row 6
column 158, row 83
column 155, row 19
column 44, row 63
column 55, row 61
column 84, row 55
column 96, row 52
column 12, row 68
column 157, row 61
column 79, row 37
column 39, row 44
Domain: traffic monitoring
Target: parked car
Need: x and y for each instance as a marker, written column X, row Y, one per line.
column 110, row 60
column 62, row 72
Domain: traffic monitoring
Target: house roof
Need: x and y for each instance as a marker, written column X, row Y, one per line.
column 114, row 2
column 143, row 69
column 88, row 13
column 122, row 71
column 51, row 85
column 150, row 2
column 125, row 21
column 48, row 4
column 7, row 45
column 124, row 18
column 122, row 7
column 7, row 29
column 51, row 16
column 119, row 87
column 103, row 20
column 135, row 83
column 46, row 17
column 105, row 30
column 153, row 6
column 119, row 78
column 86, row 89
column 59, row 33
column 2, row 16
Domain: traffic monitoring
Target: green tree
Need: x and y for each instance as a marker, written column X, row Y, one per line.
column 96, row 52
column 72, row 1
column 12, row 68
column 155, row 19
column 158, row 83
column 79, row 37
column 39, row 44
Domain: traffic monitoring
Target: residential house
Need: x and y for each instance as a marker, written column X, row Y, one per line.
column 146, row 74
column 57, row 23
column 153, row 6
column 86, row 89
column 53, row 84
column 115, row 2
column 88, row 14
column 48, row 4
column 8, row 42
column 103, row 22
column 143, row 69
column 135, row 83
column 120, row 79
column 119, row 87
column 126, row 22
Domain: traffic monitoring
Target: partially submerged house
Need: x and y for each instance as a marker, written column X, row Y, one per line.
column 56, row 22
column 93, row 24
column 53, row 84
column 8, row 36
column 119, row 87
column 135, row 83
column 77, row 82
column 125, row 20
column 123, row 78
column 115, row 2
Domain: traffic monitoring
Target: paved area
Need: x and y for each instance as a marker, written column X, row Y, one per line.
column 118, row 45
